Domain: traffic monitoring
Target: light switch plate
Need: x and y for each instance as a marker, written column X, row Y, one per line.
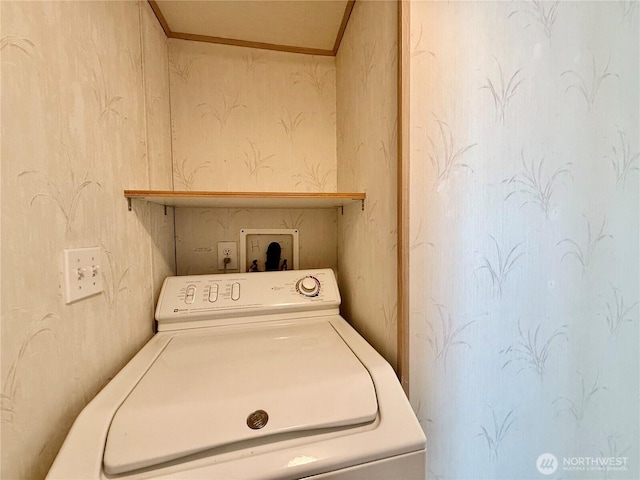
column 82, row 273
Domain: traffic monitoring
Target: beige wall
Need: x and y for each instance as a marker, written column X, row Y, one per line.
column 524, row 227
column 199, row 230
column 252, row 120
column 155, row 69
column 86, row 114
column 77, row 78
column 367, row 132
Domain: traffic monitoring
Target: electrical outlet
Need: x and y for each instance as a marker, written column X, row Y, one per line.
column 82, row 273
column 228, row 250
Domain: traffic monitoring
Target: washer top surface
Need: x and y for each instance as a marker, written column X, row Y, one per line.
column 202, row 388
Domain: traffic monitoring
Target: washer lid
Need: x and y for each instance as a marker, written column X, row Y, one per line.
column 202, row 390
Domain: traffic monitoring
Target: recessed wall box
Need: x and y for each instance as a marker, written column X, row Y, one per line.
column 255, row 242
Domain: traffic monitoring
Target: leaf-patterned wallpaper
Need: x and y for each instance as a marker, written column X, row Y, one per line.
column 252, row 120
column 199, row 230
column 525, row 149
column 83, row 117
column 367, row 137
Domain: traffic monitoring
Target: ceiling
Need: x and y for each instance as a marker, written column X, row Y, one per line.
column 303, row 26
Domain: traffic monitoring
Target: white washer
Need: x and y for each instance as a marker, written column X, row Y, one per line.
column 249, row 376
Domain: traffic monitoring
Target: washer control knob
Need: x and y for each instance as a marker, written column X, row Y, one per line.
column 308, row 286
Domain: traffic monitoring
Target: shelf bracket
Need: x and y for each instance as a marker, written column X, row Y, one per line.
column 341, row 209
column 165, row 209
column 362, row 203
column 129, row 203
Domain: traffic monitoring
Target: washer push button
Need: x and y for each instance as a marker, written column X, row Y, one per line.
column 235, row 291
column 190, row 294
column 213, row 292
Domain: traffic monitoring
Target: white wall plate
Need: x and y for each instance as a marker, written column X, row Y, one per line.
column 82, row 273
column 254, row 244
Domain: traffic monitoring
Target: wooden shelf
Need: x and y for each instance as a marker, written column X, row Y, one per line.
column 170, row 198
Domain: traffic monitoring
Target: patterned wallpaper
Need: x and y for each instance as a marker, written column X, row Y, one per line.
column 74, row 135
column 252, row 120
column 157, row 106
column 367, row 133
column 525, row 146
column 199, row 230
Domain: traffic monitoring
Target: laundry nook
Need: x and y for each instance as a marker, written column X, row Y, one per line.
column 319, row 239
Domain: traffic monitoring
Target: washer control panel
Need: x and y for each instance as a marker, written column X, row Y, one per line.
column 199, row 297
